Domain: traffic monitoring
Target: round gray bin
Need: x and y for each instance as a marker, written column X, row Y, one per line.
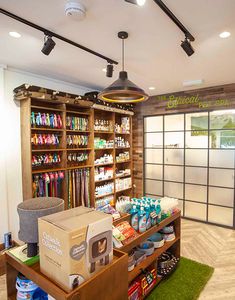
column 29, row 211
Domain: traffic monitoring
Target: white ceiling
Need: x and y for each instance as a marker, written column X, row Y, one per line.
column 153, row 53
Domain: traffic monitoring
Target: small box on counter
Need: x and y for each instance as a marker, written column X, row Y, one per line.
column 74, row 245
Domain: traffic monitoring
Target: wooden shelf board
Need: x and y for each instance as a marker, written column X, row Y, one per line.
column 48, row 170
column 77, row 112
column 103, row 180
column 124, row 217
column 45, row 129
column 78, row 149
column 104, row 164
column 48, row 150
column 119, row 191
column 123, row 133
column 46, row 108
column 150, row 259
column 121, row 148
column 123, row 176
column 123, row 162
column 79, row 167
column 97, row 149
column 105, row 132
column 144, row 236
column 102, row 196
column 77, row 131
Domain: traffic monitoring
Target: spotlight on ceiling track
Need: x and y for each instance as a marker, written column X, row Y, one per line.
column 109, row 70
column 186, row 45
column 48, row 46
column 137, row 2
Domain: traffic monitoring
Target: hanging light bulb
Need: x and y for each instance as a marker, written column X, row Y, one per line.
column 123, row 90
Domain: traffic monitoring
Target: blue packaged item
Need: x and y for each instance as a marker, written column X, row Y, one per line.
column 142, row 220
column 134, row 218
column 153, row 213
column 159, row 211
column 148, row 218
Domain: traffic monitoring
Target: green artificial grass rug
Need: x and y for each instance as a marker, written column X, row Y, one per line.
column 186, row 283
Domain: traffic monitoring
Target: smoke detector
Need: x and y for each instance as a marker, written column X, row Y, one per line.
column 75, row 10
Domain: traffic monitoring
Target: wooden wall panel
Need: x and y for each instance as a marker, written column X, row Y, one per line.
column 212, row 98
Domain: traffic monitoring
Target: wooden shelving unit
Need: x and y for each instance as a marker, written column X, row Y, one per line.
column 44, row 103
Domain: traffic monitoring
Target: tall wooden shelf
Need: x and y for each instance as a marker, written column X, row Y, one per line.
column 41, row 102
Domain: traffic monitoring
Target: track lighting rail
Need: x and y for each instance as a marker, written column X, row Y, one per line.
column 55, row 35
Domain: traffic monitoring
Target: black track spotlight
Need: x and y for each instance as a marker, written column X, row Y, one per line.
column 137, row 2
column 48, row 46
column 186, row 45
column 109, row 70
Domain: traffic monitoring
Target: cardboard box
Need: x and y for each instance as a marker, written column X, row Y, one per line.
column 74, row 245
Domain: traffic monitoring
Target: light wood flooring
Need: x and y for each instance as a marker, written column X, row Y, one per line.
column 207, row 244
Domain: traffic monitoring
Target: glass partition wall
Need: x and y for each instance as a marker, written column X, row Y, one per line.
column 191, row 157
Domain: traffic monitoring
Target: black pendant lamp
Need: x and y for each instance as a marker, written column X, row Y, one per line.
column 123, row 90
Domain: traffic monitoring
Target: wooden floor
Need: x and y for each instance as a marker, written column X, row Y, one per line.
column 207, row 244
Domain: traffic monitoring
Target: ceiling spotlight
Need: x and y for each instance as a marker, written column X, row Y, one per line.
column 137, row 2
column 186, row 45
column 48, row 46
column 151, row 88
column 109, row 70
column 104, row 70
column 225, row 34
column 14, row 34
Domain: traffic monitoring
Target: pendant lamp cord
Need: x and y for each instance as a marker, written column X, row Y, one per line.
column 122, row 54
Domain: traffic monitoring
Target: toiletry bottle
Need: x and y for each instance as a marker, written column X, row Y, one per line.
column 152, row 209
column 134, row 218
column 148, row 218
column 142, row 220
column 158, row 211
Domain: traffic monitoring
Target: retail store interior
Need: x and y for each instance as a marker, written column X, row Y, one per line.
column 117, row 150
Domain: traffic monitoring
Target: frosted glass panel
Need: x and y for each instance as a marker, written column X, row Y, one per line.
column 222, row 158
column 195, row 211
column 196, row 175
column 174, row 140
column 181, row 206
column 196, row 157
column 153, row 171
column 220, row 215
column 153, row 140
column 174, row 190
column 196, row 139
column 196, row 193
column 197, row 121
column 174, row 156
column 224, row 178
column 221, row 196
column 153, row 124
column 153, row 187
column 174, row 122
column 173, row 173
column 222, row 119
column 224, row 139
column 154, row 156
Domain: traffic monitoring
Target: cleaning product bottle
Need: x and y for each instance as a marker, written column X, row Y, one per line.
column 159, row 211
column 148, row 218
column 142, row 220
column 153, row 214
column 134, row 218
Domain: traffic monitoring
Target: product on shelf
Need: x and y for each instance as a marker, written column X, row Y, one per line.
column 45, row 139
column 166, row 263
column 77, row 141
column 121, row 143
column 168, row 233
column 123, row 232
column 123, row 156
column 78, row 187
column 105, row 159
column 75, row 157
column 124, row 127
column 122, row 184
column 46, row 120
column 157, row 240
column 102, row 190
column 103, row 173
column 123, row 204
column 104, row 201
column 103, row 125
column 46, row 159
column 48, row 184
column 134, row 291
column 77, row 123
column 169, row 206
column 100, row 143
column 108, row 209
column 147, row 247
column 120, row 173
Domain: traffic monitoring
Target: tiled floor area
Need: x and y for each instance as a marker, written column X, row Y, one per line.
column 208, row 244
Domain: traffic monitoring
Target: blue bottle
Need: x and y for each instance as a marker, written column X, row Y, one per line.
column 142, row 220
column 148, row 218
column 134, row 218
column 159, row 211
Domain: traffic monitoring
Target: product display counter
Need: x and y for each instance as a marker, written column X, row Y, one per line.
column 108, row 283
